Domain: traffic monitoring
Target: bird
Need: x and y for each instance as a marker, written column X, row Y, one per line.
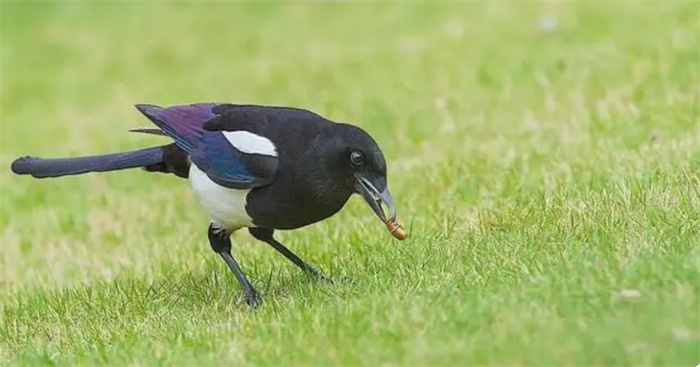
column 263, row 168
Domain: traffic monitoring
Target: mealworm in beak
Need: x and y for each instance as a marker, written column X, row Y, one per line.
column 396, row 230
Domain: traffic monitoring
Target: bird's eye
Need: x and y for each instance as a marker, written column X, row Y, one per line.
column 357, row 159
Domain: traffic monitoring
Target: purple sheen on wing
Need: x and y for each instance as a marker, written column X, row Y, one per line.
column 183, row 122
column 188, row 120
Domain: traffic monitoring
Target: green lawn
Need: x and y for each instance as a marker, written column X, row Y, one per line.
column 549, row 179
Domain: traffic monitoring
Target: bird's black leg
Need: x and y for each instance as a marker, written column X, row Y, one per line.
column 266, row 235
column 220, row 241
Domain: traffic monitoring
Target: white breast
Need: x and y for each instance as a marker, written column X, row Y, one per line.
column 226, row 207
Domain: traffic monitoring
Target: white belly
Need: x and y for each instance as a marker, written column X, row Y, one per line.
column 226, row 207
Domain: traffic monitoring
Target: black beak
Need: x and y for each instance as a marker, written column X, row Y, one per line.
column 375, row 193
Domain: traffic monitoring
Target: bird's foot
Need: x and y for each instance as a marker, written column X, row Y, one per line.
column 316, row 274
column 253, row 298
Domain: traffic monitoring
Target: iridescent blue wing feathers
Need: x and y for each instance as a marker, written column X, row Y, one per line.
column 210, row 151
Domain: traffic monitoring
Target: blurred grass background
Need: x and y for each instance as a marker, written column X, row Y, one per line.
column 544, row 156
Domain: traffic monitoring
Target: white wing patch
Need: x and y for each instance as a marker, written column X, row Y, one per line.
column 250, row 143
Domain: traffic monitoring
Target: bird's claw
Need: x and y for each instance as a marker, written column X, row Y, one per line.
column 319, row 276
column 325, row 279
column 253, row 299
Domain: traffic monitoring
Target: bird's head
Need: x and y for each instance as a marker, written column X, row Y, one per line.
column 356, row 158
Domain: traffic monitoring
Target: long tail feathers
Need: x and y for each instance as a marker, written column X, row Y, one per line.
column 56, row 167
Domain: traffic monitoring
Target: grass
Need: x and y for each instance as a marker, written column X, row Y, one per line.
column 548, row 179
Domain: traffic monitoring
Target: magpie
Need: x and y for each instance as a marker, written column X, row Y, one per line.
column 259, row 167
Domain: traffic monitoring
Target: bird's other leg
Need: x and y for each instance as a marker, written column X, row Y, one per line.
column 266, row 235
column 220, row 241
